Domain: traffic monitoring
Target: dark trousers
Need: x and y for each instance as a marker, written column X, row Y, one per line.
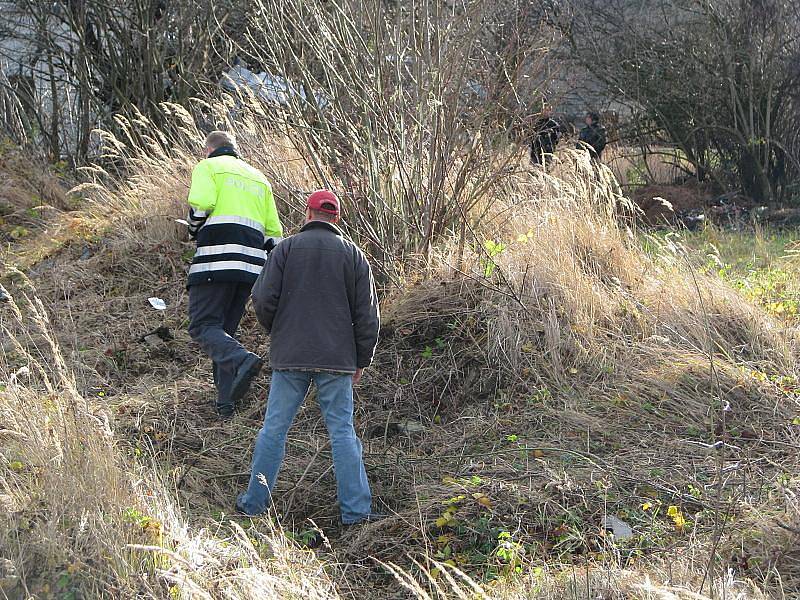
column 215, row 310
column 541, row 156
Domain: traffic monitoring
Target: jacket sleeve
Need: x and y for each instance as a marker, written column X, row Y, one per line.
column 203, row 193
column 599, row 139
column 267, row 288
column 196, row 219
column 582, row 139
column 272, row 223
column 366, row 313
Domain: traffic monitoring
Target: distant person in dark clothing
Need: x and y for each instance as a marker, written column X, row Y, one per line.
column 546, row 134
column 593, row 136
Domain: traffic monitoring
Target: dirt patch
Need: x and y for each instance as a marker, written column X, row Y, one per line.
column 664, row 204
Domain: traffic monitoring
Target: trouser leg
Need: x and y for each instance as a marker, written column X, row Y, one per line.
column 335, row 395
column 209, row 309
column 233, row 315
column 287, row 391
column 536, row 154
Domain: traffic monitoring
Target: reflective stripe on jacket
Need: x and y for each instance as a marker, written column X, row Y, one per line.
column 232, row 211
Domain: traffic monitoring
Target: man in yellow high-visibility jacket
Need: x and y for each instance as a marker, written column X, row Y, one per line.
column 232, row 216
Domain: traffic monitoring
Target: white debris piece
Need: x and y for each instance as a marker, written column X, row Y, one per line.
column 409, row 427
column 618, row 527
column 21, row 372
column 153, row 340
column 157, row 303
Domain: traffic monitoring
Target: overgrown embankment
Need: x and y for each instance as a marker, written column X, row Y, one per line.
column 525, row 390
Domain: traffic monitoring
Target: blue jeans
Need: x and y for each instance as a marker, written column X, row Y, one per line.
column 335, row 396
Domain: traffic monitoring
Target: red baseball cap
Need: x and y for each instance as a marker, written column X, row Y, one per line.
column 324, row 201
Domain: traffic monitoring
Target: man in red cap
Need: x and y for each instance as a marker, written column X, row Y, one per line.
column 316, row 298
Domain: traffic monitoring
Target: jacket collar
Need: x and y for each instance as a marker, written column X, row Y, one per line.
column 224, row 151
column 321, row 225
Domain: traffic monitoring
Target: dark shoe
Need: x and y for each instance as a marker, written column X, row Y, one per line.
column 239, row 509
column 370, row 518
column 225, row 411
column 245, row 374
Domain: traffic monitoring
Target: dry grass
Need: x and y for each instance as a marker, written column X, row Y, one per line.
column 82, row 517
column 567, row 377
column 27, row 182
column 660, row 165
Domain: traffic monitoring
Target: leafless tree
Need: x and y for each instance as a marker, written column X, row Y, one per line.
column 408, row 105
column 87, row 60
column 718, row 78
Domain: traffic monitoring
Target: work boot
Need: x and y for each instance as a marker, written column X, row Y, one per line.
column 239, row 510
column 245, row 374
column 225, row 411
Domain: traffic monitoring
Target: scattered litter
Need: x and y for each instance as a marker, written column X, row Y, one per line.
column 21, row 372
column 618, row 527
column 409, row 427
column 715, row 446
column 157, row 303
column 157, row 337
column 4, row 295
column 730, row 468
column 393, row 428
column 153, row 340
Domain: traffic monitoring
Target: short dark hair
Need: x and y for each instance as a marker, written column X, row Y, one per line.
column 321, row 215
column 218, row 139
column 594, row 116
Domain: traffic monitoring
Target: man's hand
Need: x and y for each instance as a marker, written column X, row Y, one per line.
column 270, row 243
column 357, row 376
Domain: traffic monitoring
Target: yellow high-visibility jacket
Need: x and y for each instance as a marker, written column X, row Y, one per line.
column 232, row 214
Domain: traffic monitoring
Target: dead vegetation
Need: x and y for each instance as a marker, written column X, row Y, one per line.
column 524, row 391
column 554, row 412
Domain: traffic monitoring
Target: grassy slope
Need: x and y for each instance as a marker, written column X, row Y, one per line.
column 593, row 395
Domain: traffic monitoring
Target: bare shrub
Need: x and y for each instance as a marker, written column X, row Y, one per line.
column 715, row 78
column 405, row 106
column 70, row 67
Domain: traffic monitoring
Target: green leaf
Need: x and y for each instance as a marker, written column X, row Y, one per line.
column 63, row 581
